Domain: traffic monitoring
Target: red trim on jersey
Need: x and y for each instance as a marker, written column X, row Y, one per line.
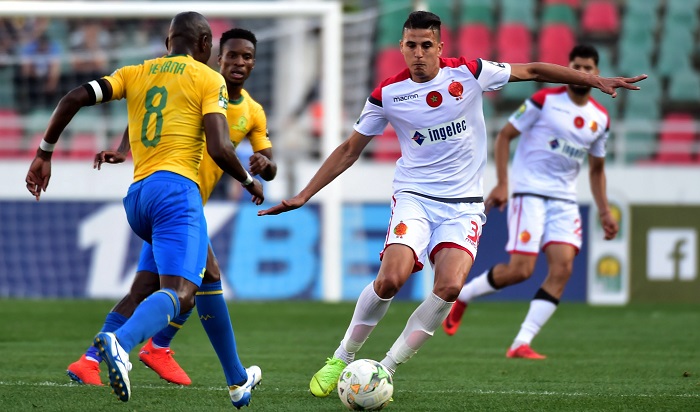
column 560, row 243
column 602, row 109
column 539, row 97
column 472, row 65
column 399, row 77
column 448, row 245
column 520, row 252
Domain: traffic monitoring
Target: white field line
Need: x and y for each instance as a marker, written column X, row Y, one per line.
column 474, row 391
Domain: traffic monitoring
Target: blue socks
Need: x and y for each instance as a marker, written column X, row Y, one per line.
column 152, row 315
column 113, row 321
column 213, row 313
column 165, row 336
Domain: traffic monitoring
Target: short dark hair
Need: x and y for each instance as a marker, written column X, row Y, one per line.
column 423, row 20
column 238, row 33
column 585, row 51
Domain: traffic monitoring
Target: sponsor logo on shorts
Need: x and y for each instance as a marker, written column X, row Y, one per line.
column 441, row 132
column 400, row 230
column 405, row 98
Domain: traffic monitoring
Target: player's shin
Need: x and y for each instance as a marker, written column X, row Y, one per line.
column 163, row 338
column 152, row 315
column 369, row 310
column 420, row 327
column 214, row 315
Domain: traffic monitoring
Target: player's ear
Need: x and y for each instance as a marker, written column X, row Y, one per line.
column 167, row 44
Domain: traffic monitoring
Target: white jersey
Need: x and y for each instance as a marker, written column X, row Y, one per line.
column 557, row 135
column 439, row 124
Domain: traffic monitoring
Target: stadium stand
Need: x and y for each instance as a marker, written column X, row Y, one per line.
column 677, row 139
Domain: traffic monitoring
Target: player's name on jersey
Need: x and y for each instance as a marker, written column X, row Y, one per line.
column 567, row 149
column 441, row 132
column 167, row 67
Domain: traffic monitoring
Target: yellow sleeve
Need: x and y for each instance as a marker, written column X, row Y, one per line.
column 258, row 133
column 215, row 95
column 118, row 80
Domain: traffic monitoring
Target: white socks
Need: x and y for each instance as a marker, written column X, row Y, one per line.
column 420, row 327
column 539, row 313
column 480, row 286
column 369, row 310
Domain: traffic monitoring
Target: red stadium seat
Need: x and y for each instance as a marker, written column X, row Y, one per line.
column 10, row 133
column 677, row 139
column 83, row 146
column 514, row 43
column 555, row 43
column 574, row 4
column 601, row 17
column 474, row 41
column 389, row 62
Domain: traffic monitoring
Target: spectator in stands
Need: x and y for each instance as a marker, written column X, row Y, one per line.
column 40, row 70
column 89, row 59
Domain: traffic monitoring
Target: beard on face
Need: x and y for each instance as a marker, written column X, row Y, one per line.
column 579, row 90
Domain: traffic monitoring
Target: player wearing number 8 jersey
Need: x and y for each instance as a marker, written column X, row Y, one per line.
column 435, row 106
column 171, row 101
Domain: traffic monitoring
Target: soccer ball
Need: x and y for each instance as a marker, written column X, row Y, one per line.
column 365, row 385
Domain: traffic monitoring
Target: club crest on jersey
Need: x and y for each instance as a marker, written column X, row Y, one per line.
column 594, row 126
column 400, row 230
column 441, row 132
column 579, row 122
column 456, row 89
column 434, row 99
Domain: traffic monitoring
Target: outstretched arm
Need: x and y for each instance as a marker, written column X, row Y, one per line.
column 554, row 73
column 339, row 161
column 39, row 173
column 597, row 179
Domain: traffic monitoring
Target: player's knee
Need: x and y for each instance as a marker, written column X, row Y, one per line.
column 387, row 286
column 186, row 301
column 561, row 271
column 211, row 276
column 448, row 292
column 519, row 273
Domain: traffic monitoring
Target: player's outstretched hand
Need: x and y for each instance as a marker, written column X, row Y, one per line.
column 108, row 156
column 497, row 198
column 38, row 176
column 610, row 225
column 285, row 206
column 256, row 190
column 610, row 85
column 257, row 163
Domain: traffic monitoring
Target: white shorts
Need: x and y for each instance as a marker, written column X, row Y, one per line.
column 427, row 226
column 536, row 222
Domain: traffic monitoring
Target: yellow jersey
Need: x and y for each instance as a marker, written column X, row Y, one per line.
column 246, row 118
column 166, row 100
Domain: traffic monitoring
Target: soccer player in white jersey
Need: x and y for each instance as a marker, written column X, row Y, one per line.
column 435, row 106
column 559, row 128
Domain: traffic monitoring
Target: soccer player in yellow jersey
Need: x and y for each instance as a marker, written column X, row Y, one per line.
column 246, row 119
column 171, row 100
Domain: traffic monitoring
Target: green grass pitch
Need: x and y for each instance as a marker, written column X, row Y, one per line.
column 636, row 358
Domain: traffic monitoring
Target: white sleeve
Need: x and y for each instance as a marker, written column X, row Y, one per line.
column 372, row 121
column 526, row 116
column 492, row 75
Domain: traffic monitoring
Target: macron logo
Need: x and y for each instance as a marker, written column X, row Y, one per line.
column 399, row 99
